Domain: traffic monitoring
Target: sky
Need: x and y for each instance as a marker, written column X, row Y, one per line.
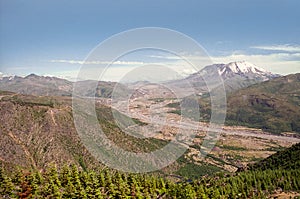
column 54, row 37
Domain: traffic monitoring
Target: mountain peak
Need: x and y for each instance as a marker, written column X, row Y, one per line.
column 235, row 75
column 242, row 67
column 32, row 75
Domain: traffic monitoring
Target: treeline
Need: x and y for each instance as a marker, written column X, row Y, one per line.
column 286, row 159
column 69, row 182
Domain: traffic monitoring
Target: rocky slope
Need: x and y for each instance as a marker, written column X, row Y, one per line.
column 39, row 131
column 36, row 132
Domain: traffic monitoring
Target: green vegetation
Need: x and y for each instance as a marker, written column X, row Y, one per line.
column 41, row 123
column 188, row 108
column 173, row 105
column 234, row 148
column 29, row 101
column 189, row 169
column 69, row 182
column 122, row 139
column 194, row 171
column 157, row 99
column 286, row 159
column 273, row 106
column 36, row 129
column 109, row 90
column 178, row 112
column 278, row 173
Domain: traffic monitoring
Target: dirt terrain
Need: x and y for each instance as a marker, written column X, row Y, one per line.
column 234, row 148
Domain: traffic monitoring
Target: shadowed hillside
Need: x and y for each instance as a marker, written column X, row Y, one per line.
column 273, row 105
column 286, row 159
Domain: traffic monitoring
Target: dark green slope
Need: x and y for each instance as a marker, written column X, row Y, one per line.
column 69, row 182
column 272, row 105
column 286, row 159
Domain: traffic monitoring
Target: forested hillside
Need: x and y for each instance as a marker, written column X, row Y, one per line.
column 70, row 182
column 286, row 159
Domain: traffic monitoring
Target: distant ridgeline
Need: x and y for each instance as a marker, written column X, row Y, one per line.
column 273, row 105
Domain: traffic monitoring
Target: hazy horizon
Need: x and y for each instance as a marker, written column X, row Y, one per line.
column 54, row 38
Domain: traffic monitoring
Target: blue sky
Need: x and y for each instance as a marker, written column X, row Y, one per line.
column 52, row 37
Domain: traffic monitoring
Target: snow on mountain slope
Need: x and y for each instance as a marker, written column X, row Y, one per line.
column 235, row 75
column 234, row 69
column 241, row 68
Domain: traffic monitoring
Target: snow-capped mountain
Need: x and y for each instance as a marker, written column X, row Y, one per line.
column 235, row 75
column 241, row 67
column 244, row 69
column 232, row 70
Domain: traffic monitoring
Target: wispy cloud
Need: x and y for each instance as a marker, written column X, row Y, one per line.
column 285, row 47
column 284, row 62
column 165, row 57
column 97, row 62
column 177, row 68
